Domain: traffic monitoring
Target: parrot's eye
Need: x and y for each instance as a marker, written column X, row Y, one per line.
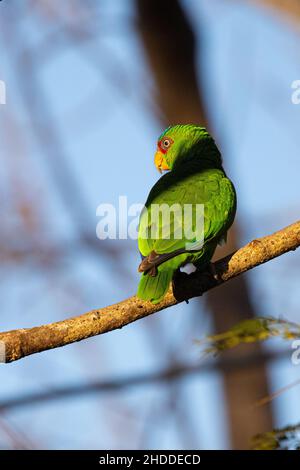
column 166, row 143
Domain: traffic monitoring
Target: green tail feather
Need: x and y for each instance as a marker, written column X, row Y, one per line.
column 155, row 288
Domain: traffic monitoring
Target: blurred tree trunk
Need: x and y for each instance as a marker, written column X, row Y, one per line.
column 170, row 48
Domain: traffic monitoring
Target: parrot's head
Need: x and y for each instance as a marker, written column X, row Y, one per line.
column 179, row 144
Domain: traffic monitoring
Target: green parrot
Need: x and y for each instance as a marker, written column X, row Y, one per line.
column 195, row 180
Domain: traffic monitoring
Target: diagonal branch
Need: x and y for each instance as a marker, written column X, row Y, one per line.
column 24, row 342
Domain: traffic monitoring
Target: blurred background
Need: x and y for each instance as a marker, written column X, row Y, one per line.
column 89, row 87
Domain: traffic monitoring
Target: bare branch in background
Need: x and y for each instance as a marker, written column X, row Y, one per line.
column 114, row 385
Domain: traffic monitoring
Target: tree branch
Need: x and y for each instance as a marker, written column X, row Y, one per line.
column 24, row 342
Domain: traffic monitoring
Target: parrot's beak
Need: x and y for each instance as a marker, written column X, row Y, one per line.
column 160, row 161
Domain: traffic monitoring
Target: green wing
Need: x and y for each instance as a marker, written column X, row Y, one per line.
column 209, row 187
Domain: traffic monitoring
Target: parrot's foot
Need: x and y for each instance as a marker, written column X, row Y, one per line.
column 153, row 260
column 152, row 271
column 148, row 265
column 181, row 283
